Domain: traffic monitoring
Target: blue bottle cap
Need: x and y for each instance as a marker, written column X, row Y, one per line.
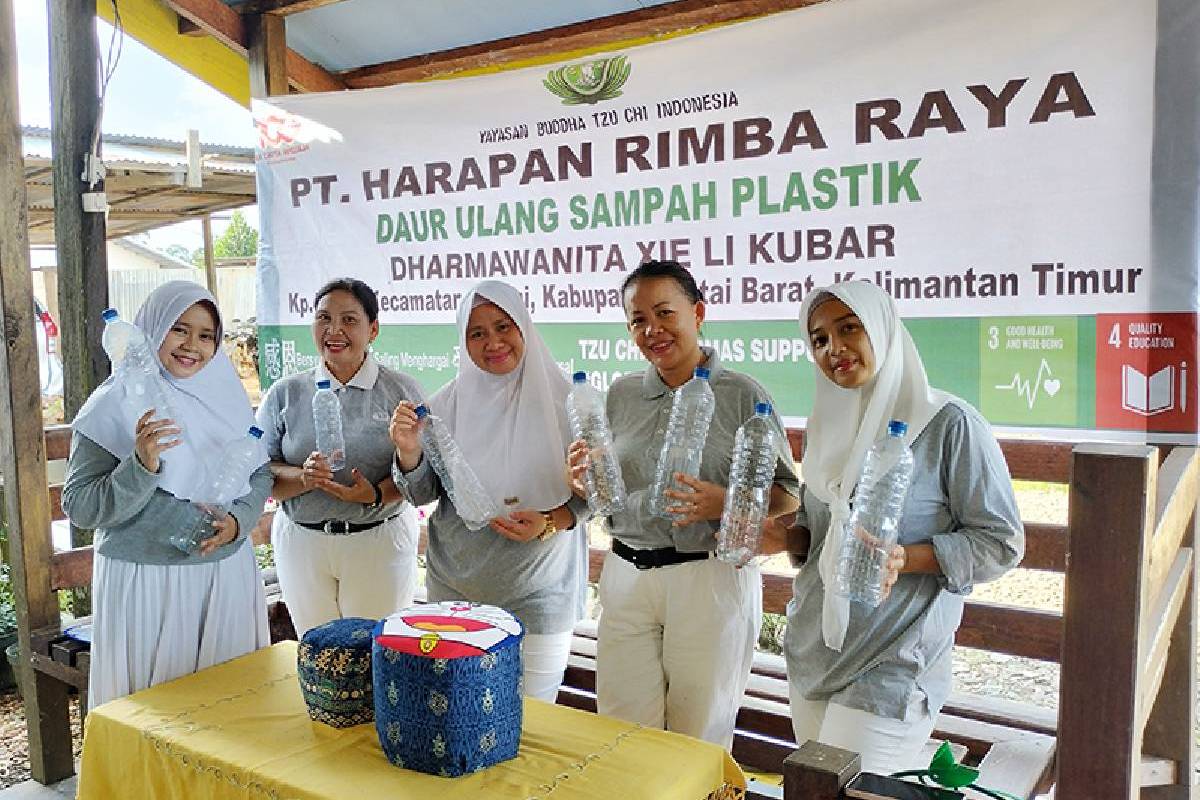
column 109, row 314
column 323, row 384
column 702, row 372
column 897, row 428
column 256, row 432
column 762, row 408
column 579, row 377
column 422, row 411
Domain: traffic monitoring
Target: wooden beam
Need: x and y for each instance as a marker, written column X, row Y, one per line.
column 79, row 235
column 284, row 8
column 1158, row 631
column 642, row 23
column 22, row 454
column 267, row 42
column 1111, row 503
column 229, row 28
column 1178, row 488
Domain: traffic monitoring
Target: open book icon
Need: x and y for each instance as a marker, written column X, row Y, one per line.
column 1148, row 395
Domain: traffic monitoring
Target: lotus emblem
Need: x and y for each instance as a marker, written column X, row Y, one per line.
column 589, row 81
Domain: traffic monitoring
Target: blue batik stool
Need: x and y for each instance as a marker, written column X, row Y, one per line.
column 448, row 687
column 333, row 664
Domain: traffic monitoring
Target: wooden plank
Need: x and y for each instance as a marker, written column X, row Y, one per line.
column 1099, row 741
column 1020, row 768
column 58, row 441
column 267, row 48
column 22, row 443
column 1178, row 485
column 285, row 8
column 1000, row 711
column 980, row 737
column 1172, row 719
column 1157, row 771
column 1032, row 460
column 1045, row 547
column 1027, row 632
column 228, row 27
column 71, row 569
column 1157, row 630
column 645, row 22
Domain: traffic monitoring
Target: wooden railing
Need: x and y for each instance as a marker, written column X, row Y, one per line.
column 1127, row 685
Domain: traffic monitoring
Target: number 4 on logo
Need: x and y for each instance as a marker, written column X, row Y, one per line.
column 1114, row 336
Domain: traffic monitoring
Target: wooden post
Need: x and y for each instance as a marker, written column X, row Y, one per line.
column 23, row 459
column 210, row 264
column 78, row 235
column 1111, row 509
column 818, row 772
column 267, row 45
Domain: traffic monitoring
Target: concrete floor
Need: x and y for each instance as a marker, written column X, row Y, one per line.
column 32, row 790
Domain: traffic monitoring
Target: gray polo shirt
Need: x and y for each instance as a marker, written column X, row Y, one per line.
column 368, row 400
column 961, row 501
column 134, row 518
column 639, row 407
column 544, row 583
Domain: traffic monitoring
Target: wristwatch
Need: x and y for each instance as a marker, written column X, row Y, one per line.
column 377, row 503
column 548, row 527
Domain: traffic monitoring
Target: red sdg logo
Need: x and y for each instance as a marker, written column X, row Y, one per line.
column 1146, row 372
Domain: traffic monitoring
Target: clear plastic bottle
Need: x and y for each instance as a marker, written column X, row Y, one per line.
column 327, row 420
column 749, row 492
column 136, row 365
column 871, row 530
column 683, row 444
column 472, row 502
column 226, row 477
column 585, row 410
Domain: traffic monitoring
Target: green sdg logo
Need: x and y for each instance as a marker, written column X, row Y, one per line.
column 589, row 81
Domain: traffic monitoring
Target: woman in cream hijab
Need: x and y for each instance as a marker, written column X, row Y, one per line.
column 867, row 679
column 507, row 411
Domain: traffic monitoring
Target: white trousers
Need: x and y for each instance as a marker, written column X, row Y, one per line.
column 886, row 745
column 154, row 623
column 676, row 644
column 544, row 660
column 325, row 577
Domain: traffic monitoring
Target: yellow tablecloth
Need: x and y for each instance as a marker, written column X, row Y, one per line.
column 240, row 730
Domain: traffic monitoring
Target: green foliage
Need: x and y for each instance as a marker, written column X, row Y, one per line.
column 239, row 240
column 179, row 251
column 770, row 638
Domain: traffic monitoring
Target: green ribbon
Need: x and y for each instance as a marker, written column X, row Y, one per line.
column 948, row 773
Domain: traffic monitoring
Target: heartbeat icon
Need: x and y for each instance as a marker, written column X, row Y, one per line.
column 1029, row 389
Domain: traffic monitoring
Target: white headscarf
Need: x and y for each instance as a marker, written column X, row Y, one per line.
column 211, row 405
column 512, row 428
column 846, row 422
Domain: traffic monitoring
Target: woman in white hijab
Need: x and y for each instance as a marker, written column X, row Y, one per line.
column 507, row 412
column 160, row 612
column 872, row 680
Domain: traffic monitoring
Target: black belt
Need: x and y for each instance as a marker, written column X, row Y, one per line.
column 337, row 527
column 658, row 557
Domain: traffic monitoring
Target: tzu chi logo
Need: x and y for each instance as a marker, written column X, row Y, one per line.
column 589, row 82
column 450, row 629
column 282, row 133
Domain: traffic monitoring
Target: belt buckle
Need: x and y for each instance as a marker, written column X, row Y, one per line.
column 329, row 527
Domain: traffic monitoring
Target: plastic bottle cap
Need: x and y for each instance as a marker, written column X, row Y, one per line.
column 255, row 432
column 897, row 428
column 422, row 412
column 579, row 377
column 702, row 372
column 323, row 384
column 109, row 314
column 762, row 408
